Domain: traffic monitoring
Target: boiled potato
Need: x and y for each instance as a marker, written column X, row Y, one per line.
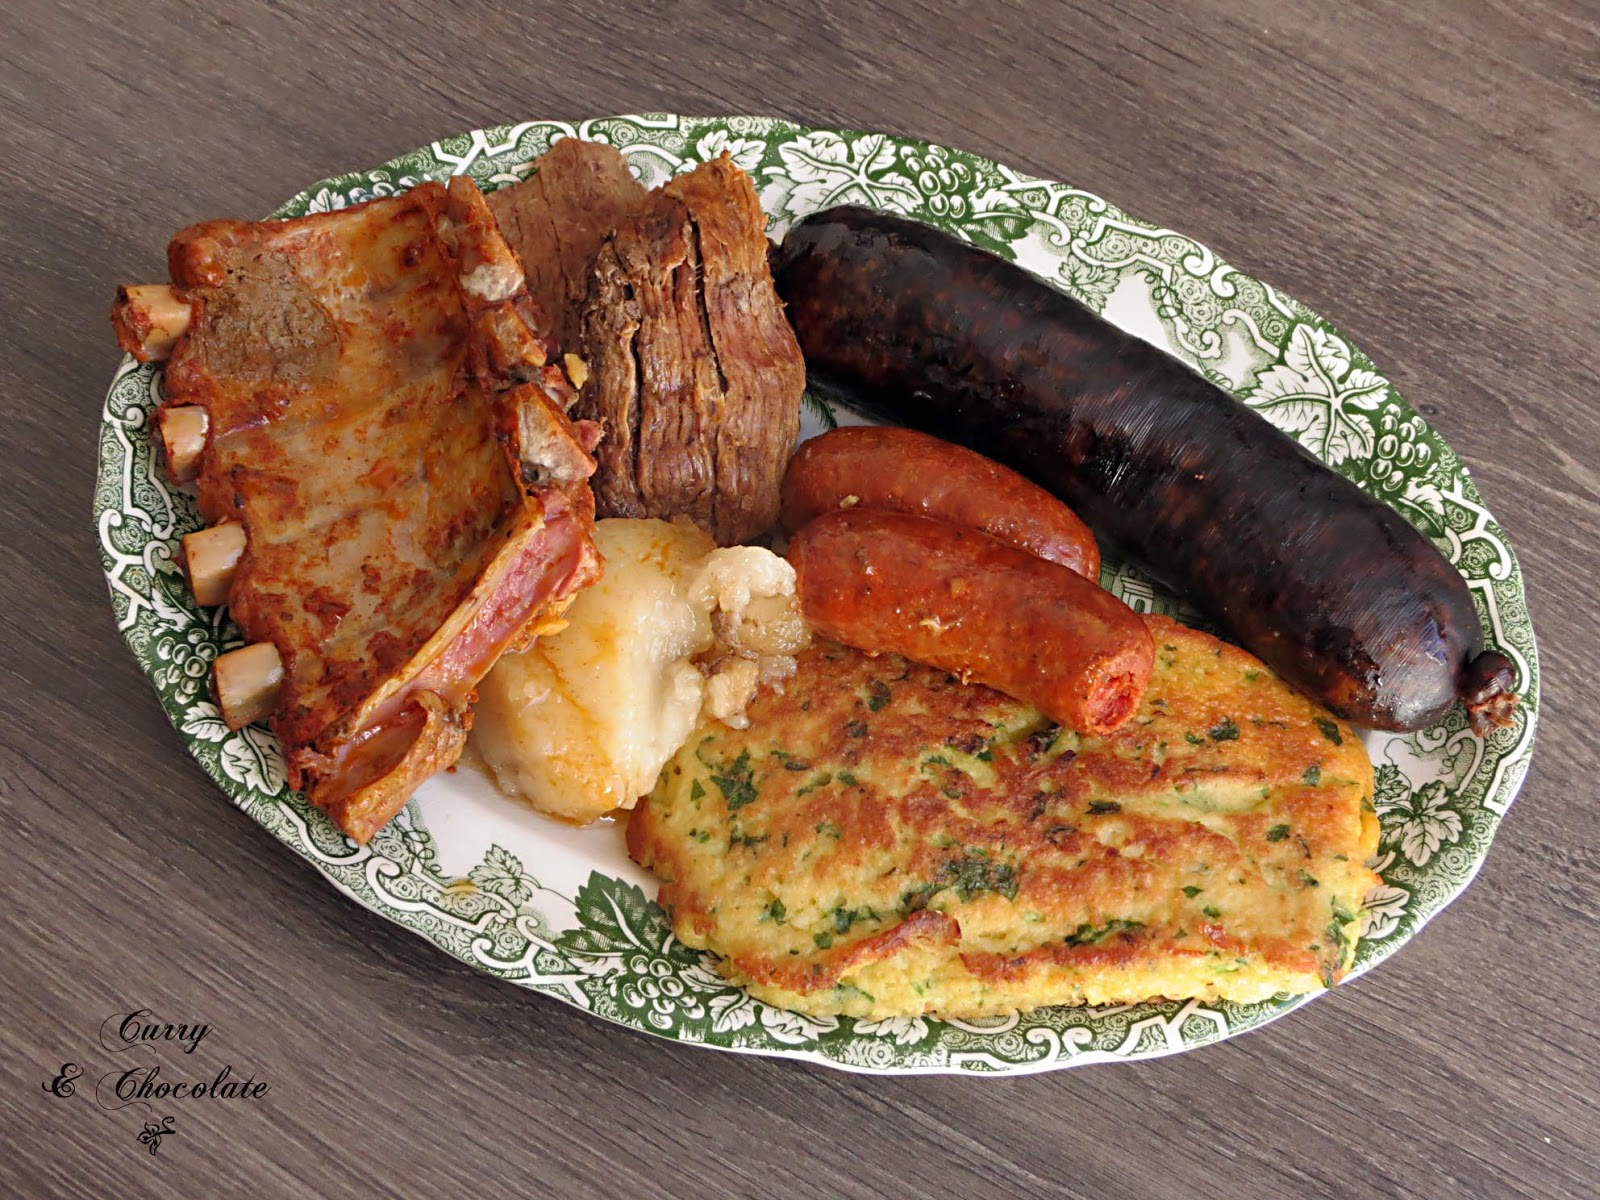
column 583, row 721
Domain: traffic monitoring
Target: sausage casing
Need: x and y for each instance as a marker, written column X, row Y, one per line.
column 1334, row 590
column 902, row 470
column 959, row 600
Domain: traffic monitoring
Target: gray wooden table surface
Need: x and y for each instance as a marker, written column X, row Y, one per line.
column 1424, row 173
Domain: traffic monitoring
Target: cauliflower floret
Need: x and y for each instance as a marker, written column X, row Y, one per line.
column 730, row 686
column 749, row 595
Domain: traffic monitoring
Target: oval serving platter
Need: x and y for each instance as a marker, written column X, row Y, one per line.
column 563, row 911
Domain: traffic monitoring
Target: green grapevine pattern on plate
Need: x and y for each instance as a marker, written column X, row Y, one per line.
column 604, row 945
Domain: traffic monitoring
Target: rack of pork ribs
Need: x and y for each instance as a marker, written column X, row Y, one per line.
column 394, row 493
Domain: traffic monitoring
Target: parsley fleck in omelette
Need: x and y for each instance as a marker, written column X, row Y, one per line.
column 884, row 840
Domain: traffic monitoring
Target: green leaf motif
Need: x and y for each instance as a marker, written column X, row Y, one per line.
column 501, row 874
column 1391, row 788
column 252, row 758
column 822, row 169
column 820, row 408
column 731, row 1011
column 905, row 1031
column 1313, row 392
column 1090, row 282
column 1421, row 822
column 745, row 152
column 1384, row 909
column 202, row 723
column 616, row 918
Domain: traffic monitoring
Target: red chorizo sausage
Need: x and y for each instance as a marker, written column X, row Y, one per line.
column 960, row 600
column 887, row 467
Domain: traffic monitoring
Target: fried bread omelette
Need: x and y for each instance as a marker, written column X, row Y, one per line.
column 885, row 840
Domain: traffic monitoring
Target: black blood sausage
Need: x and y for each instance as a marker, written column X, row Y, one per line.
column 1334, row 590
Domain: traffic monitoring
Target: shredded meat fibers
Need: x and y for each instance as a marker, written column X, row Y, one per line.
column 694, row 372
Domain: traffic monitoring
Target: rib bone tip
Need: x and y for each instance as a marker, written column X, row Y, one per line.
column 149, row 319
column 183, row 431
column 210, row 557
column 247, row 682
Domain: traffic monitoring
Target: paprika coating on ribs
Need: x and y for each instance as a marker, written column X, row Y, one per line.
column 384, row 423
column 693, row 370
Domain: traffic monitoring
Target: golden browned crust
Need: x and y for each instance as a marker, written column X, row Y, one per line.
column 885, row 840
column 408, row 507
